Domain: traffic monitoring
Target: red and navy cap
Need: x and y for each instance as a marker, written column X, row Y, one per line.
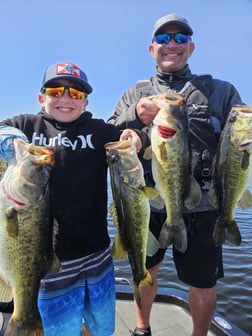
column 69, row 71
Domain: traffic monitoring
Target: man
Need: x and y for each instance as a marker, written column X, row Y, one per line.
column 208, row 102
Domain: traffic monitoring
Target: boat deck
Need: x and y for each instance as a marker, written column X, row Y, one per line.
column 166, row 319
column 170, row 315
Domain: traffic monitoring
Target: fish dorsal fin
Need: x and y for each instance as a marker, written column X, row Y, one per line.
column 117, row 250
column 113, row 213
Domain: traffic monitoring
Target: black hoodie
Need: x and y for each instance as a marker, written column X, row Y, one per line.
column 79, row 178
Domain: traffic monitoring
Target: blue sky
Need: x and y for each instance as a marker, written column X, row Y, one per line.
column 109, row 41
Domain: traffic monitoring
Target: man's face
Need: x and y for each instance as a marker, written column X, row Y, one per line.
column 171, row 57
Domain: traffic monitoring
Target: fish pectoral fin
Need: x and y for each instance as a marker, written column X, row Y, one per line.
column 245, row 201
column 157, row 203
column 152, row 244
column 6, row 293
column 146, row 281
column 147, row 153
column 117, row 250
column 195, row 194
column 150, row 192
column 11, row 222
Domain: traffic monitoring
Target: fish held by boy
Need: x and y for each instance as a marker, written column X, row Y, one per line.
column 171, row 168
column 26, row 235
column 130, row 210
column 231, row 174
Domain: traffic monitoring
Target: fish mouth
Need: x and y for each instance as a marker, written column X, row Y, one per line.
column 43, row 160
column 166, row 132
column 171, row 98
column 121, row 144
column 41, row 155
column 245, row 145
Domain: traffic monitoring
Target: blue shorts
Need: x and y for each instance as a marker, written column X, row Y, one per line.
column 82, row 292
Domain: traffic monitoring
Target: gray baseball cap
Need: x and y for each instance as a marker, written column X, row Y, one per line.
column 172, row 19
column 69, row 71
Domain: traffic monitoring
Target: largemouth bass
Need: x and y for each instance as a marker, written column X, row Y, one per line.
column 26, row 235
column 130, row 210
column 231, row 174
column 171, row 168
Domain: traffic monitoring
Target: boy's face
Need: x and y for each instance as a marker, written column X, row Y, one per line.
column 64, row 108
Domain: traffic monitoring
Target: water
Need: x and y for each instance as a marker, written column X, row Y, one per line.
column 234, row 291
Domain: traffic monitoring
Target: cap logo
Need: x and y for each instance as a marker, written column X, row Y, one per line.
column 68, row 69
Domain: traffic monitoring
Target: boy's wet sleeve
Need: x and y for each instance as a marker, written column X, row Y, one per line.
column 7, row 134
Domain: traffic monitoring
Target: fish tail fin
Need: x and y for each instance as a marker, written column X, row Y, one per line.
column 174, row 234
column 146, row 281
column 229, row 232
column 19, row 328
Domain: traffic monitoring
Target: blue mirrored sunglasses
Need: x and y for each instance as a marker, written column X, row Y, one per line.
column 166, row 38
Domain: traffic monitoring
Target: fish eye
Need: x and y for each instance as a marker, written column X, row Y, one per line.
column 232, row 118
column 114, row 156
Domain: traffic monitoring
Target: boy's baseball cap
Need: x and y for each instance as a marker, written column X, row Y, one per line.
column 67, row 70
column 172, row 19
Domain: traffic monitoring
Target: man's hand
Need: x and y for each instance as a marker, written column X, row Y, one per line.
column 146, row 110
column 133, row 136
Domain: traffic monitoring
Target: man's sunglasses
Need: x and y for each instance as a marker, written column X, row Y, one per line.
column 165, row 38
column 59, row 91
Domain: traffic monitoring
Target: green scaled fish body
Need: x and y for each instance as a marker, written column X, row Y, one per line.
column 171, row 169
column 130, row 210
column 26, row 235
column 231, row 174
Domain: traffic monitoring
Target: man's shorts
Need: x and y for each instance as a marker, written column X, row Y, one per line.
column 82, row 292
column 201, row 265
